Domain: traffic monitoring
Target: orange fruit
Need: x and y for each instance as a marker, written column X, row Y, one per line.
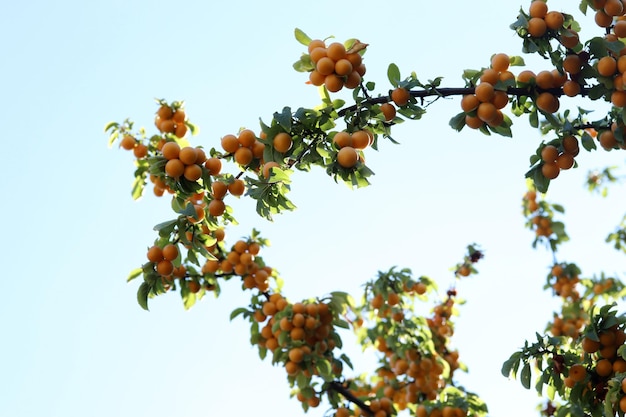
column 325, row 66
column 216, row 208
column 537, row 26
column 549, row 153
column 378, row 301
column 188, row 155
column 353, row 80
column 469, row 102
column 179, row 116
column 565, row 161
column 246, row 138
column 243, row 156
column 170, row 150
column 170, row 252
column 500, row 62
column 257, row 149
column 554, row 20
column 347, row 157
column 193, row 172
column 200, row 156
column 165, row 268
column 180, row 130
column 128, row 142
column 193, row 286
column 317, row 53
column 237, row 187
column 606, row 66
column 342, row 139
column 613, row 7
column 180, row 271
column 400, row 96
column 490, row 76
column 538, row 8
column 473, row 121
column 333, row 83
column 619, row 28
column 607, row 140
column 296, row 354
column 569, row 38
column 526, row 76
column 316, row 78
column 360, row 139
column 140, row 150
column 219, row 189
column 199, row 214
column 486, row 112
column 393, row 299
column 500, row 99
column 268, row 166
column 572, row 64
column 602, row 19
column 230, row 143
column 604, row 367
column 550, row 170
column 547, row 102
column 619, row 365
column 174, row 168
column 155, row 254
column 343, row 67
column 577, row 372
column 336, row 51
column 213, row 165
column 389, row 111
column 167, row 126
column 545, row 79
column 282, row 142
column 316, row 43
column 571, row 88
column 484, row 92
column 355, row 59
column 618, row 98
column 570, row 145
column 165, row 112
column 506, row 75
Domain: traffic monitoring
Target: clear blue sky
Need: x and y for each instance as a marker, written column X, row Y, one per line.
column 74, row 341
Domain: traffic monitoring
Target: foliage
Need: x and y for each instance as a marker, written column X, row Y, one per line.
column 578, row 361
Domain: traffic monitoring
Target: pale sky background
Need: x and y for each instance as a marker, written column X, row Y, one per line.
column 74, row 342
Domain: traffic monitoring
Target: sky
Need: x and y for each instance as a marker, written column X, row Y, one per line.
column 74, row 340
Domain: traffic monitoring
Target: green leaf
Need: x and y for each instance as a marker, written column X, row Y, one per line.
column 238, row 311
column 516, row 61
column 458, row 122
column 167, row 227
column 341, row 323
column 525, row 376
column 588, row 142
column 325, row 369
column 507, row 366
column 189, row 211
column 347, row 360
column 302, row 37
column 134, row 274
column 284, row 119
column 393, row 73
column 142, row 295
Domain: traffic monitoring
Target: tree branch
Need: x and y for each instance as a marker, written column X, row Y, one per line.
column 460, row 91
column 336, row 386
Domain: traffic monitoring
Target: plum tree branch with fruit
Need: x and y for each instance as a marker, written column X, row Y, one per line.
column 579, row 360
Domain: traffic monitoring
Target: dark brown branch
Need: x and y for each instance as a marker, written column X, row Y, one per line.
column 336, row 386
column 458, row 91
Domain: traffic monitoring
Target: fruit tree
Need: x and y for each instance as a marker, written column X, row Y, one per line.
column 577, row 362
